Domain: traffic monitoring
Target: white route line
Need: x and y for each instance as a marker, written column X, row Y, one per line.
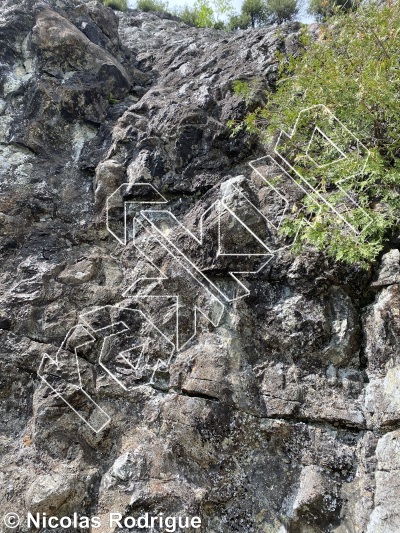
column 315, row 191
column 90, row 331
column 175, row 297
column 146, row 220
column 161, row 200
column 41, row 373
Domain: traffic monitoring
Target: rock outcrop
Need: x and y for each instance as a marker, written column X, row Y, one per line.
column 280, row 411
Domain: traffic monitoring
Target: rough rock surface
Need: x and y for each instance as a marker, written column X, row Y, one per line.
column 282, row 417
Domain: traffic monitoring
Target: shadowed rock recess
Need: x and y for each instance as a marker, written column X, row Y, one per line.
column 284, row 415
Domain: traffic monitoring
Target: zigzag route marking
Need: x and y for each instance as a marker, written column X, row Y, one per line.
column 57, row 373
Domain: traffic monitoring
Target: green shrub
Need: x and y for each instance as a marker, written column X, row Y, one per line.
column 187, row 14
column 152, row 5
column 200, row 15
column 219, row 25
column 120, row 5
column 353, row 70
column 245, row 90
column 241, row 22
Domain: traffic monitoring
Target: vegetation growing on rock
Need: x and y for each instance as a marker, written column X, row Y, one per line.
column 220, row 14
column 352, row 68
column 256, row 11
column 119, row 5
column 152, row 5
column 282, row 418
column 205, row 14
column 322, row 9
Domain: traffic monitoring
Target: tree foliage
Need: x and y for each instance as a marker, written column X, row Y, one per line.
column 187, row 14
column 206, row 13
column 239, row 22
column 280, row 11
column 152, row 5
column 353, row 70
column 322, row 9
column 256, row 11
column 222, row 8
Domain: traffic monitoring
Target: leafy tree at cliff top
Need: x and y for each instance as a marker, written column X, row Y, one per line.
column 120, row 5
column 205, row 13
column 353, row 68
column 280, row 11
column 322, row 9
column 152, row 5
column 256, row 11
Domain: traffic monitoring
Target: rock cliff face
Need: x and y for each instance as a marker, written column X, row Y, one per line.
column 280, row 411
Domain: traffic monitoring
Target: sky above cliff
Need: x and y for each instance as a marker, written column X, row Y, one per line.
column 237, row 4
